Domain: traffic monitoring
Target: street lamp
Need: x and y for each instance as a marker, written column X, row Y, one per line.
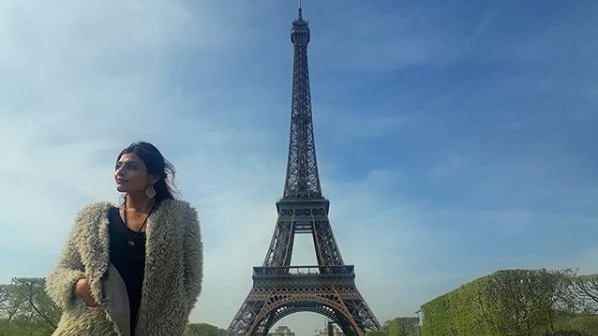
column 419, row 326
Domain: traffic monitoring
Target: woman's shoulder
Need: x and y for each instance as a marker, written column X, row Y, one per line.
column 93, row 211
column 179, row 208
column 89, row 217
column 176, row 205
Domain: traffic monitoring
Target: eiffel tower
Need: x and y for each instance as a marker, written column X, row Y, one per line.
column 280, row 289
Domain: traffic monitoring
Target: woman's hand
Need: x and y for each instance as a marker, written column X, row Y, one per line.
column 84, row 291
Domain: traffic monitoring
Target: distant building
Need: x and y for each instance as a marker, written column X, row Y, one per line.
column 282, row 331
column 336, row 331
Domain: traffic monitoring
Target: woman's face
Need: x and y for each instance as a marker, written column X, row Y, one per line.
column 131, row 175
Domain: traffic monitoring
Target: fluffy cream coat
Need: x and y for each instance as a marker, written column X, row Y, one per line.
column 172, row 282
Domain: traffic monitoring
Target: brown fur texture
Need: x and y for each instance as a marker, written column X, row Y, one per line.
column 172, row 281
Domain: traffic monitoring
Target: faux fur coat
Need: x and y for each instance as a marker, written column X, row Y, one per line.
column 171, row 284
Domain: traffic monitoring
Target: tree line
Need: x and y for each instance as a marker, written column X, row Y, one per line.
column 25, row 309
column 505, row 303
column 399, row 326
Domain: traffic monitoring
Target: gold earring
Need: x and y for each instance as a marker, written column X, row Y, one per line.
column 150, row 192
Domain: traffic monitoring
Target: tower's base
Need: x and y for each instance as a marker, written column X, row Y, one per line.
column 281, row 291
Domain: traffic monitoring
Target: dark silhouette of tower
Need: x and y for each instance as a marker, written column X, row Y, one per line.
column 327, row 288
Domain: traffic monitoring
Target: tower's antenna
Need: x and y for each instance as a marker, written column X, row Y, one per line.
column 300, row 9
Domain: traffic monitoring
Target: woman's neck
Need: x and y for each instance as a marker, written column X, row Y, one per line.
column 138, row 202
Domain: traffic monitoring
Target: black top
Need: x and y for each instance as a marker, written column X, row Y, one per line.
column 128, row 260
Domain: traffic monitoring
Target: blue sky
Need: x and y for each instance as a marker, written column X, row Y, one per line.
column 453, row 139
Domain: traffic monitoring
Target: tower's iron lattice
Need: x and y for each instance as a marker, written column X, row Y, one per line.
column 280, row 289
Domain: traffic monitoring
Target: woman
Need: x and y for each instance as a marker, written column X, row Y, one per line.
column 135, row 269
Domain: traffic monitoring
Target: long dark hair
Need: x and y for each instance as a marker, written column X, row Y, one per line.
column 156, row 164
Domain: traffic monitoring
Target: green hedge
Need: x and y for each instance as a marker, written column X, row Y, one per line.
column 507, row 302
column 465, row 311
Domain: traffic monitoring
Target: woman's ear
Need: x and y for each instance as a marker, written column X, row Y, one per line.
column 153, row 179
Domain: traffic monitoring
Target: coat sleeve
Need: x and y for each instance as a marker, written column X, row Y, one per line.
column 69, row 268
column 193, row 259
